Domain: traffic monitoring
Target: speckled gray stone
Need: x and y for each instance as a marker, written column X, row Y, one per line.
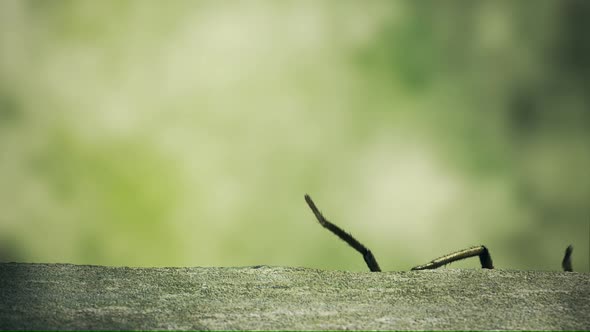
column 63, row 296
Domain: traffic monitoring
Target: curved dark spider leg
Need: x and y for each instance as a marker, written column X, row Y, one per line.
column 566, row 263
column 484, row 258
column 344, row 236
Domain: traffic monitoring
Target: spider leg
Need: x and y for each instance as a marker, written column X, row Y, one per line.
column 566, row 264
column 484, row 258
column 344, row 236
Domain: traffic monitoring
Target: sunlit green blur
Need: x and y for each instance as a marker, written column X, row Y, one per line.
column 172, row 133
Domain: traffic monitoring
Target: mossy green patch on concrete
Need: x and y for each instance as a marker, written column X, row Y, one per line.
column 63, row 296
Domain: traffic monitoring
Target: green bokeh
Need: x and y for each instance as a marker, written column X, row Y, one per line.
column 186, row 133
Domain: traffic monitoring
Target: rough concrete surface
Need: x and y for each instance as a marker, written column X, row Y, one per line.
column 64, row 296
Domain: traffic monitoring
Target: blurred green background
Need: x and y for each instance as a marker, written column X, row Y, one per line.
column 185, row 133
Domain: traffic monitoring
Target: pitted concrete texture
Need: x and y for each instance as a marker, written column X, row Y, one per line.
column 64, row 296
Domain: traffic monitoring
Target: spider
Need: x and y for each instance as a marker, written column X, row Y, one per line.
column 484, row 255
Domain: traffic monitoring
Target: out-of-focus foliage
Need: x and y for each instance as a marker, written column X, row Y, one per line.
column 186, row 133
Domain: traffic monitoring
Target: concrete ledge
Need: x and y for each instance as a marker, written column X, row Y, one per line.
column 63, row 296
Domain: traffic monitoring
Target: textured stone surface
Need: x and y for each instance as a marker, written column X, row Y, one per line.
column 63, row 296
